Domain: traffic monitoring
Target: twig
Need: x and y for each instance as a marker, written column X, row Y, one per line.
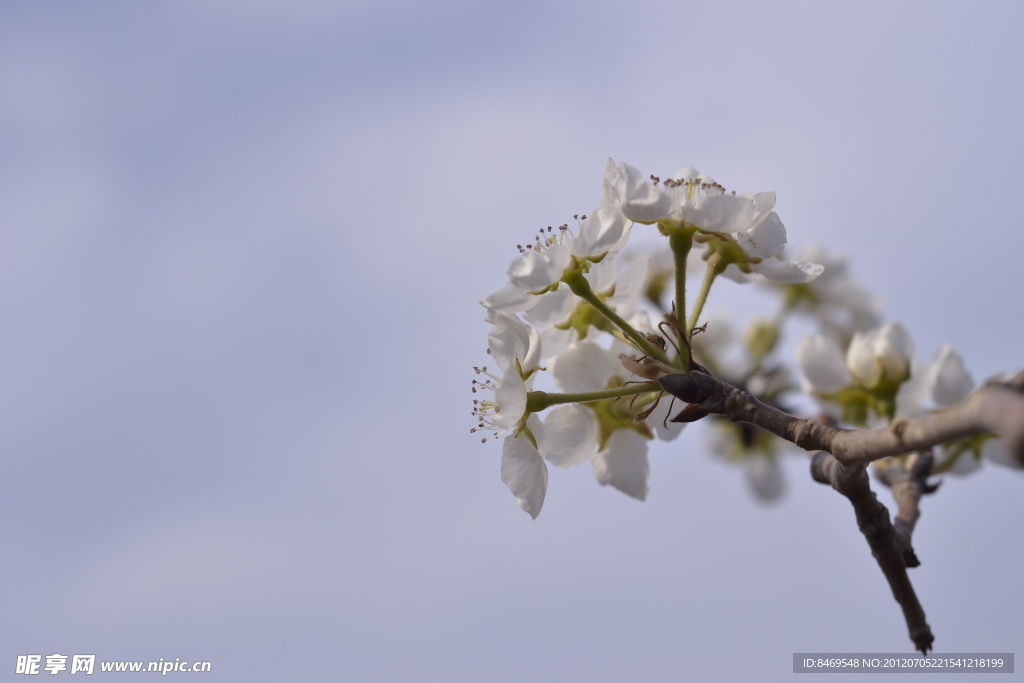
column 873, row 521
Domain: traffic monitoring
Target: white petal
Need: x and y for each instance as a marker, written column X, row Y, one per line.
column 533, row 356
column 764, row 202
column 686, row 173
column 641, row 201
column 666, row 431
column 732, row 272
column 720, row 213
column 524, row 472
column 602, row 275
column 998, row 452
column 540, row 433
column 572, row 434
column 788, row 272
column 861, row 360
column 584, row 366
column 511, row 400
column 895, row 349
column 510, row 299
column 765, row 239
column 623, row 463
column 629, row 286
column 553, row 307
column 601, row 231
column 508, row 341
column 821, row 362
column 951, row 383
column 764, row 477
column 965, row 463
column 555, row 341
column 535, row 271
column 913, row 392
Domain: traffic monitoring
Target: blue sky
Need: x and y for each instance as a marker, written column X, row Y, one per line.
column 241, row 249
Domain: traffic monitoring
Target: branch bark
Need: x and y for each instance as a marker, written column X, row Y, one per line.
column 844, row 454
column 873, row 521
column 997, row 408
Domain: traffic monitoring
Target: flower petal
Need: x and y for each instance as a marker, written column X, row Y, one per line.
column 511, row 400
column 510, row 299
column 641, row 201
column 555, row 341
column 524, row 472
column 764, row 478
column 821, row 362
column 572, row 433
column 788, row 272
column 998, row 452
column 623, row 463
column 535, row 271
column 719, row 213
column 584, row 366
column 657, row 420
column 951, row 383
column 601, row 231
column 766, row 239
column 508, row 341
column 552, row 307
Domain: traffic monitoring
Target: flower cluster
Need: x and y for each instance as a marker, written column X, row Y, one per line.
column 572, row 312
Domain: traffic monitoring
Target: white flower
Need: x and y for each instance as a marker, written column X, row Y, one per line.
column 688, row 198
column 516, row 348
column 764, row 477
column 602, row 233
column 840, row 303
column 623, row 463
column 574, row 431
column 523, row 469
column 822, row 364
column 950, row 383
column 998, row 452
column 620, row 289
column 885, row 352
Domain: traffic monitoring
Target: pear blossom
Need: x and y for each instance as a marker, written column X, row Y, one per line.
column 764, row 477
column 689, row 198
column 823, row 365
column 949, row 381
column 882, row 353
column 621, row 290
column 542, row 265
column 516, row 348
column 574, row 432
column 839, row 302
column 742, row 443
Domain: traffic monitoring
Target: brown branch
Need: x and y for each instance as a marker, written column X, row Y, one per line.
column 873, row 521
column 908, row 481
column 844, row 454
column 997, row 408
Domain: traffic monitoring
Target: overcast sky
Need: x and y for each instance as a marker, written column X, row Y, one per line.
column 241, row 250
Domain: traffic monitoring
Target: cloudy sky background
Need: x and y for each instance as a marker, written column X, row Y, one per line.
column 241, row 249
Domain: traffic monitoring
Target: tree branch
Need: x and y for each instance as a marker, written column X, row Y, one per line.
column 997, row 408
column 873, row 521
column 844, row 454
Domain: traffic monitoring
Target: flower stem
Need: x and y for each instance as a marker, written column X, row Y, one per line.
column 715, row 267
column 681, row 241
column 537, row 401
column 581, row 288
